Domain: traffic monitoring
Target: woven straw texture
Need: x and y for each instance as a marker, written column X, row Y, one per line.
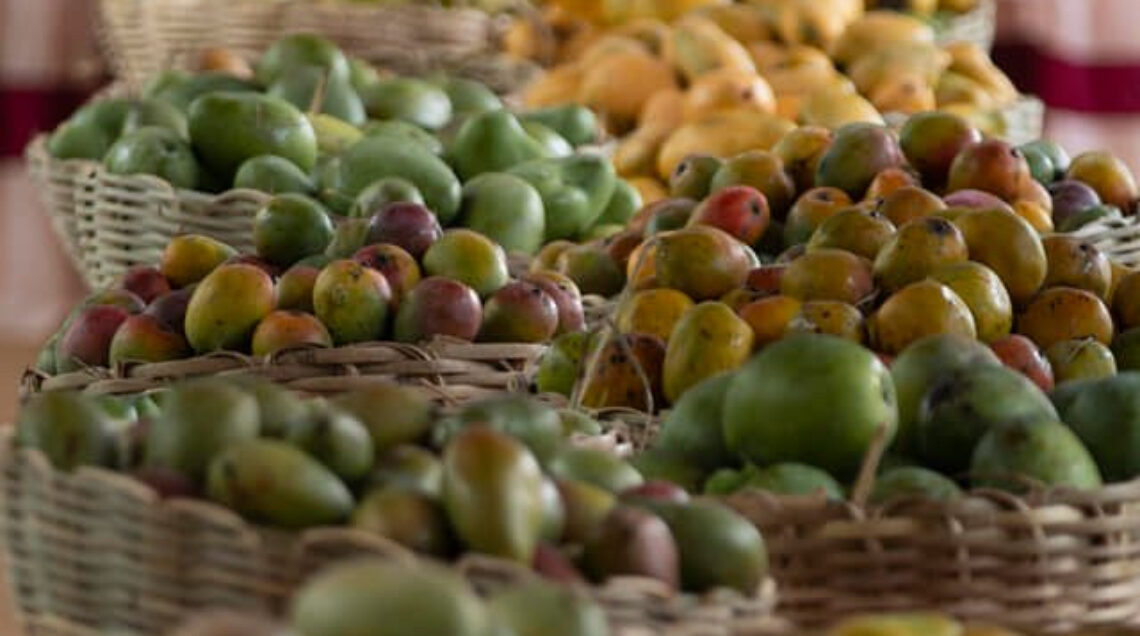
column 452, row 369
column 100, row 550
column 1050, row 560
column 145, row 36
column 1119, row 239
column 976, row 27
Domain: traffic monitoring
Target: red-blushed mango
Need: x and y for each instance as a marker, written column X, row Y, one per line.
column 567, row 297
column 86, row 341
column 519, row 312
column 226, row 307
column 284, row 329
column 396, row 264
column 438, row 306
column 144, row 338
column 1020, row 354
column 146, row 282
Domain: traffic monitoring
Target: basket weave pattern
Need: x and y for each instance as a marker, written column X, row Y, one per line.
column 102, row 551
column 143, row 37
column 976, row 27
column 1051, row 560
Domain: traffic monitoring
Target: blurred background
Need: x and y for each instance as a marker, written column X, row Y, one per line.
column 1080, row 56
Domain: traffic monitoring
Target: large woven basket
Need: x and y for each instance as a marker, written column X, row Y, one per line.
column 145, row 36
column 452, row 369
column 101, row 550
column 976, row 27
column 1119, row 239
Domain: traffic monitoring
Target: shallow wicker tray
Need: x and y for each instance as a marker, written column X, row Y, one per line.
column 976, row 27
column 102, row 551
column 1119, row 239
column 144, row 36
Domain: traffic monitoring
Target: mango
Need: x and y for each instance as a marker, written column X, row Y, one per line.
column 492, row 491
column 227, row 306
column 1082, row 359
column 291, row 227
column 762, row 170
column 721, row 134
column 396, row 131
column 856, row 155
column 810, row 210
column 863, row 231
column 385, row 597
column 353, row 302
column 470, row 258
column 156, row 151
column 373, row 199
column 188, row 258
column 692, row 179
column 335, row 438
column 558, row 368
column 438, row 306
column 397, row 265
column 519, row 312
column 274, row 175
column 1065, row 313
column 1102, row 412
column 624, row 372
column 708, row 339
column 199, row 419
column 575, row 191
column 86, row 339
column 312, row 90
column 913, row 481
column 963, row 405
column 278, row 408
column 1072, row 262
column 826, row 317
column 622, row 206
column 805, row 388
column 300, row 50
column 226, row 129
column 691, row 430
column 718, row 547
column 918, row 310
column 596, row 467
column 702, row 262
column 392, row 414
column 592, row 269
column 897, row 624
column 982, row 291
column 909, row 203
column 620, row 104
column 408, row 99
column 70, row 428
column 652, row 311
column 828, row 274
column 295, row 288
column 1108, row 176
column 1042, row 450
column 771, row 317
column 787, row 478
column 633, row 542
column 930, row 141
column 182, row 92
column 918, row 249
column 350, row 237
column 375, row 158
column 144, row 338
column 170, row 309
column 577, row 124
column 535, row 424
column 408, row 467
column 412, row 519
column 567, row 298
column 506, row 209
column 801, row 151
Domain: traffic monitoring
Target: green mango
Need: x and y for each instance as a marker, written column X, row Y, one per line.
column 534, row 423
column 692, row 430
column 75, row 140
column 182, row 94
column 1040, row 165
column 959, row 409
column 558, row 367
column 1105, row 415
column 299, row 87
column 404, row 132
column 1043, row 451
column 407, row 99
column 394, row 415
column 1088, row 215
column 155, row 112
column 164, row 80
column 574, row 191
column 378, row 195
column 1057, row 157
column 108, row 115
column 576, row 124
column 290, row 227
column 226, row 307
column 596, row 467
column 198, row 420
column 468, row 96
column 913, row 481
column 361, row 74
column 408, row 467
column 295, row 52
column 70, row 428
column 625, row 202
column 273, row 482
column 656, row 464
column 374, row 158
column 273, row 175
column 578, row 423
column 154, row 151
column 334, row 135
column 335, row 438
column 585, row 509
column 505, row 209
column 413, row 519
column 228, row 128
column 727, row 481
column 492, row 141
column 492, row 491
column 718, row 547
column 790, row 478
column 388, row 597
column 280, row 409
column 544, row 608
column 552, row 143
column 349, row 237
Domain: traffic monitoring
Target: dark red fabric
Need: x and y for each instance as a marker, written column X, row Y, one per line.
column 27, row 111
column 1106, row 88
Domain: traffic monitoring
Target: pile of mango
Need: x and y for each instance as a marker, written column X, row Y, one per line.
column 307, row 120
column 506, row 476
column 727, row 78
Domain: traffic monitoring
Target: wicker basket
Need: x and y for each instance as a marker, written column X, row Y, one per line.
column 976, row 27
column 452, row 369
column 101, row 550
column 1119, row 239
column 145, row 36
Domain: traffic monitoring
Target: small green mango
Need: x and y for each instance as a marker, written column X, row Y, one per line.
column 71, row 429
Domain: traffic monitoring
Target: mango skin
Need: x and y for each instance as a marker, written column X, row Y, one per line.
column 614, row 381
column 226, row 129
column 353, row 301
column 226, row 308
column 144, row 338
column 691, row 430
column 71, row 429
column 492, row 491
column 189, row 258
column 393, row 415
column 1044, row 450
column 271, row 481
column 548, row 609
column 708, row 340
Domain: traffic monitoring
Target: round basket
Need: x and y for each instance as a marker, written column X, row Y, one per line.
column 450, row 369
column 976, row 27
column 102, row 551
column 143, row 37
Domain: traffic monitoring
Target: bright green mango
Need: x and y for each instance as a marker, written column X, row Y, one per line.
column 408, row 99
column 576, row 124
column 183, row 93
column 492, row 141
column 293, row 52
column 574, row 191
column 155, row 112
column 73, row 140
column 403, row 132
column 299, row 87
column 553, row 143
column 70, row 428
column 155, row 151
column 505, row 209
column 1105, row 414
column 624, row 203
column 692, row 429
column 273, row 175
column 468, row 96
column 374, row 158
column 228, row 128
column 1041, row 451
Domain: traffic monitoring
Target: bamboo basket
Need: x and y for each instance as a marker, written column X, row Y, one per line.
column 143, row 37
column 976, row 27
column 102, row 551
column 453, row 369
